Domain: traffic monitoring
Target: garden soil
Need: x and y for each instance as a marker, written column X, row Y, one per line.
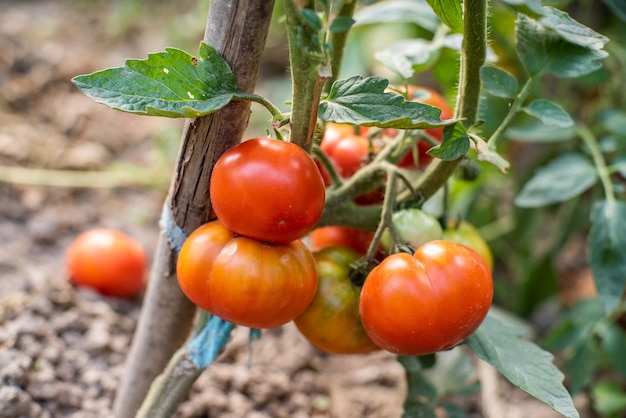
column 62, row 349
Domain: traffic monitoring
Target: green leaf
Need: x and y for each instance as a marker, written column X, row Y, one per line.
column 613, row 342
column 549, row 113
column 607, row 257
column 498, row 82
column 450, row 12
column 312, row 19
column 364, row 101
column 410, row 55
column 535, row 131
column 543, row 50
column 523, row 363
column 563, row 178
column 533, row 6
column 421, row 395
column 609, row 398
column 570, row 30
column 171, row 83
column 397, row 11
column 454, row 145
column 341, row 24
column 614, row 121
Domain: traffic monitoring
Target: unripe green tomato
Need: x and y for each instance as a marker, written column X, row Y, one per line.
column 415, row 228
column 332, row 322
column 465, row 233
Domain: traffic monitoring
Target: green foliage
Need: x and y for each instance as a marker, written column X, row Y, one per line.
column 498, row 82
column 607, row 255
column 523, row 363
column 563, row 178
column 450, row 13
column 549, row 113
column 171, row 83
column 363, row 101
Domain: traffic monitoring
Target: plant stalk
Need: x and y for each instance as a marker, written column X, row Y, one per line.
column 237, row 30
column 309, row 71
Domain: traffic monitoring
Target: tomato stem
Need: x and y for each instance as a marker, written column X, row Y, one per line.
column 603, row 172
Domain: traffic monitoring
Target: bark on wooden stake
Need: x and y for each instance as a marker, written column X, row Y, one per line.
column 238, row 31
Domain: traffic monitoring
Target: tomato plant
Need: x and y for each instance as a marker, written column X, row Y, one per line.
column 426, row 302
column 465, row 233
column 331, row 322
column 107, row 260
column 437, row 297
column 268, row 190
column 245, row 281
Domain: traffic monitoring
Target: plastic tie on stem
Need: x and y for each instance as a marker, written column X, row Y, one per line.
column 175, row 234
column 207, row 344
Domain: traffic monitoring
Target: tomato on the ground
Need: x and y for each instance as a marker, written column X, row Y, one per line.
column 245, row 281
column 331, row 322
column 267, row 190
column 109, row 261
column 426, row 302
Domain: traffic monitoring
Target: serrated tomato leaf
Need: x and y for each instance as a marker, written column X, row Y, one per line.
column 563, row 178
column 454, row 145
column 364, row 101
column 171, row 83
column 549, row 113
column 607, row 241
column 561, row 53
column 450, row 12
column 394, row 11
column 523, row 363
column 498, row 82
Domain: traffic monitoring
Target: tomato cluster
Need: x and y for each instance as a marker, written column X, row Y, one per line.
column 250, row 267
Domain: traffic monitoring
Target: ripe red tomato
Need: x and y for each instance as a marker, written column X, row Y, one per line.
column 330, row 236
column 109, row 261
column 245, row 281
column 331, row 322
column 467, row 234
column 268, row 190
column 348, row 152
column 428, row 302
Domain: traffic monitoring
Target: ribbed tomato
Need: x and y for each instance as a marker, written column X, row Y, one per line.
column 245, row 281
column 427, row 302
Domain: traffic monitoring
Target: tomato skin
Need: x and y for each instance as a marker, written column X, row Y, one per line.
column 428, row 302
column 268, row 190
column 245, row 281
column 196, row 258
column 348, row 153
column 331, row 322
column 108, row 261
column 330, row 236
column 414, row 226
column 465, row 233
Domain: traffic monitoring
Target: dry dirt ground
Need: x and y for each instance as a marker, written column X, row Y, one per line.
column 62, row 349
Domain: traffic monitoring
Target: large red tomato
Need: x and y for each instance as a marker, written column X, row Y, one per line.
column 109, row 261
column 331, row 322
column 268, row 190
column 245, row 281
column 427, row 302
